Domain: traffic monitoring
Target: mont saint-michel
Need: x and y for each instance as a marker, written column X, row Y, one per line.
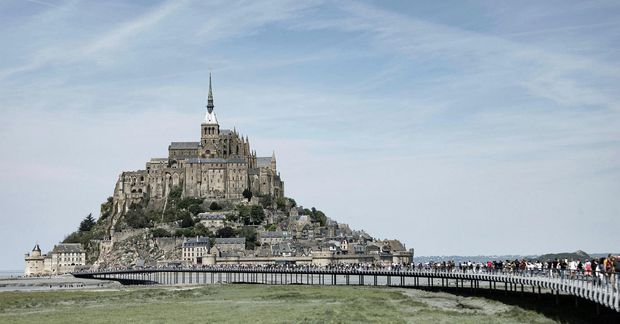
column 212, row 201
column 282, row 161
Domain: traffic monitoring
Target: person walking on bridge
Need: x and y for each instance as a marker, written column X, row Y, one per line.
column 610, row 270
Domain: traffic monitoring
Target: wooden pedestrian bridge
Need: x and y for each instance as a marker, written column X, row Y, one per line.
column 601, row 290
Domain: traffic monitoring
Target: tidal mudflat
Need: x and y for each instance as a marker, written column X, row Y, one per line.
column 256, row 304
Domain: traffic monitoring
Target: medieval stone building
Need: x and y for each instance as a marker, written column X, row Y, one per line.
column 220, row 167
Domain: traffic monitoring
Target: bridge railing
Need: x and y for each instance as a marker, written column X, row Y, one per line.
column 595, row 278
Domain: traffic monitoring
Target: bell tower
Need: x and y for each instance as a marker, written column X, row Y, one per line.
column 209, row 129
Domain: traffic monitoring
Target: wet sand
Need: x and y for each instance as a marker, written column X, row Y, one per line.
column 64, row 282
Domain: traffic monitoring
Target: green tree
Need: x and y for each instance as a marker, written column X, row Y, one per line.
column 152, row 216
column 175, row 194
column 201, row 230
column 280, row 203
column 321, row 218
column 170, row 215
column 292, row 202
column 186, row 220
column 317, row 216
column 244, row 214
column 80, row 237
column 74, row 237
column 106, row 209
column 87, row 224
column 232, row 217
column 185, row 232
column 247, row 194
column 195, row 209
column 160, row 232
column 215, row 206
column 257, row 215
column 136, row 218
column 250, row 237
column 225, row 232
column 186, row 202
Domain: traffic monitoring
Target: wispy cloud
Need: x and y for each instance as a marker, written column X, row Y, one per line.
column 481, row 115
column 479, row 58
column 100, row 46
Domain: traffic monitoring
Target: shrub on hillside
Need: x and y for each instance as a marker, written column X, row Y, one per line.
column 215, row 206
column 160, row 232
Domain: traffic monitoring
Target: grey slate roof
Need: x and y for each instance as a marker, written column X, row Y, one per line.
column 225, row 131
column 215, row 160
column 184, row 145
column 236, row 160
column 230, row 240
column 196, row 241
column 208, row 216
column 274, row 234
column 263, row 161
column 68, row 248
column 206, row 160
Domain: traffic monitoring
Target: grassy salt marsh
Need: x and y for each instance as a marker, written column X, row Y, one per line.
column 256, row 304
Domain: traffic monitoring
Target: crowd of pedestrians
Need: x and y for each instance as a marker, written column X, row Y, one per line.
column 599, row 270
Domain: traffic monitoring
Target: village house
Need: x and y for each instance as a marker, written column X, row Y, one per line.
column 195, row 248
column 212, row 221
column 230, row 245
column 274, row 237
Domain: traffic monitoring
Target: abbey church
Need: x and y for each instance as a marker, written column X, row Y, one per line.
column 219, row 166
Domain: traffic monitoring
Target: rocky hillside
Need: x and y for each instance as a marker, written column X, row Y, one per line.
column 135, row 247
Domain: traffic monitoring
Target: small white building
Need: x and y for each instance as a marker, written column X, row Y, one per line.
column 195, row 248
column 66, row 256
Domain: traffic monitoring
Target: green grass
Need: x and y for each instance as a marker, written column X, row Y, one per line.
column 243, row 304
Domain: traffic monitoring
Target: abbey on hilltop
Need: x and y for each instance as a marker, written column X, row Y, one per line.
column 219, row 166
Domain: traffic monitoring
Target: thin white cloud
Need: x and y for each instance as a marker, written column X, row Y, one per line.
column 120, row 36
column 479, row 56
column 99, row 47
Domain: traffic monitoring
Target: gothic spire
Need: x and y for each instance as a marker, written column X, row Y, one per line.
column 210, row 105
column 210, row 115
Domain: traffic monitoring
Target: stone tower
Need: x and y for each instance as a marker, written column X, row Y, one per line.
column 35, row 262
column 210, row 129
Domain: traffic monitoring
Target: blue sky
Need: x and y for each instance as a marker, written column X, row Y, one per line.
column 460, row 127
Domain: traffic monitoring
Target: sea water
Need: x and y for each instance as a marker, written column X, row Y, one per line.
column 7, row 274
